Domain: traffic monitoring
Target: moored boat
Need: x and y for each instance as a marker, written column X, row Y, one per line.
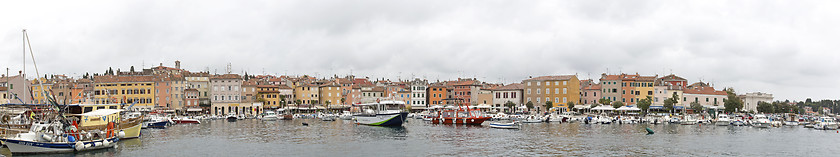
column 761, row 121
column 723, row 120
column 503, row 125
column 186, row 120
column 384, row 113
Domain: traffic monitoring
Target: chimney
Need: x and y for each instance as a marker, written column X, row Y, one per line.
column 177, row 64
column 161, row 64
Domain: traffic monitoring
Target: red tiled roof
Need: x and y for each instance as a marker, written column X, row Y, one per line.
column 513, row 86
column 114, row 78
column 226, row 76
column 545, row 78
column 704, row 90
column 593, row 87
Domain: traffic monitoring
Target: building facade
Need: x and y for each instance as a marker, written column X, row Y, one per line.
column 751, row 100
column 559, row 90
column 418, row 94
column 509, row 93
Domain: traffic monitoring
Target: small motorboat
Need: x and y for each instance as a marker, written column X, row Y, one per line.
column 269, row 116
column 791, row 123
column 761, row 121
column 723, row 120
column 186, row 120
column 532, row 119
column 503, row 125
column 738, row 122
column 328, row 117
column 231, row 117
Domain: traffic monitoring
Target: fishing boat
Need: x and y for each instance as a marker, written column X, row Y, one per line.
column 130, row 124
column 461, row 114
column 384, row 113
column 61, row 137
column 761, row 121
column 791, row 123
column 723, row 120
column 503, row 125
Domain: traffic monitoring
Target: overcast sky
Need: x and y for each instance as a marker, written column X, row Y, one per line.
column 786, row 48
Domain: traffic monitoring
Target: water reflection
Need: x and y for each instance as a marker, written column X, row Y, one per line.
column 415, row 138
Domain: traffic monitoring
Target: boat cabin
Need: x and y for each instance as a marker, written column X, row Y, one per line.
column 85, row 108
column 97, row 118
column 381, row 107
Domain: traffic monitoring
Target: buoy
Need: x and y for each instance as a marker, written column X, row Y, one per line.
column 105, row 142
column 79, row 145
column 46, row 137
column 121, row 134
column 71, row 139
column 650, row 131
column 97, row 144
column 305, row 124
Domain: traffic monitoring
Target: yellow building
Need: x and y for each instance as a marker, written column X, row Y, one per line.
column 268, row 95
column 38, row 95
column 644, row 87
column 306, row 93
column 558, row 89
column 330, row 94
column 139, row 90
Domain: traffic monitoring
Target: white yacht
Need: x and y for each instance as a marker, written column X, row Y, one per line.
column 723, row 120
column 826, row 123
column 761, row 121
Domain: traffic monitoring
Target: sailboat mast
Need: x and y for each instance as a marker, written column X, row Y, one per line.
column 23, row 75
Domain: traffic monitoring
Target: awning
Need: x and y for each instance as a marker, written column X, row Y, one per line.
column 625, row 108
column 607, row 108
column 583, row 106
column 193, row 110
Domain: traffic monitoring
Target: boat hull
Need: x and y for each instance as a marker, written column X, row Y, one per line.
column 161, row 124
column 133, row 131
column 460, row 120
column 390, row 119
column 504, row 125
column 722, row 123
column 28, row 147
column 187, row 121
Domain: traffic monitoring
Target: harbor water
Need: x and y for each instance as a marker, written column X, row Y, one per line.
column 342, row 138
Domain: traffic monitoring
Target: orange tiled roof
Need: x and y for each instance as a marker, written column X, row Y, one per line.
column 545, row 78
column 513, row 86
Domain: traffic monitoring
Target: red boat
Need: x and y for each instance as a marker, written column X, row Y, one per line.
column 462, row 114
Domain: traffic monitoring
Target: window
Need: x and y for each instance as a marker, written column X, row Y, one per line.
column 557, row 91
column 529, row 84
column 538, row 91
column 707, row 99
column 556, row 99
column 564, row 82
column 538, row 83
column 547, row 92
column 564, row 100
column 564, row 90
column 558, row 83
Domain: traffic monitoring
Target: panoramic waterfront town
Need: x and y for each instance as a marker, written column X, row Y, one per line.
column 419, row 78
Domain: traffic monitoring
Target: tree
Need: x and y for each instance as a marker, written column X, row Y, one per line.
column 644, row 104
column 570, row 105
column 617, row 104
column 282, row 101
column 696, row 107
column 732, row 103
column 328, row 102
column 604, row 101
column 670, row 102
column 548, row 105
column 510, row 105
column 529, row 105
column 764, row 107
column 297, row 102
column 342, row 101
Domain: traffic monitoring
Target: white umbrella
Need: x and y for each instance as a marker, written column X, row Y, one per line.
column 603, row 108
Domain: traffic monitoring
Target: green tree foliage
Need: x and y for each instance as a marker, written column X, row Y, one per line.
column 670, row 102
column 644, row 104
column 510, row 105
column 732, row 103
column 696, row 107
column 617, row 104
column 548, row 105
column 529, row 105
column 604, row 101
column 570, row 105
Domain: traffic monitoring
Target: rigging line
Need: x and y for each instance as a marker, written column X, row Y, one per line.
column 31, row 54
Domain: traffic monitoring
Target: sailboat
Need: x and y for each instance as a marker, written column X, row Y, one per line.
column 55, row 133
